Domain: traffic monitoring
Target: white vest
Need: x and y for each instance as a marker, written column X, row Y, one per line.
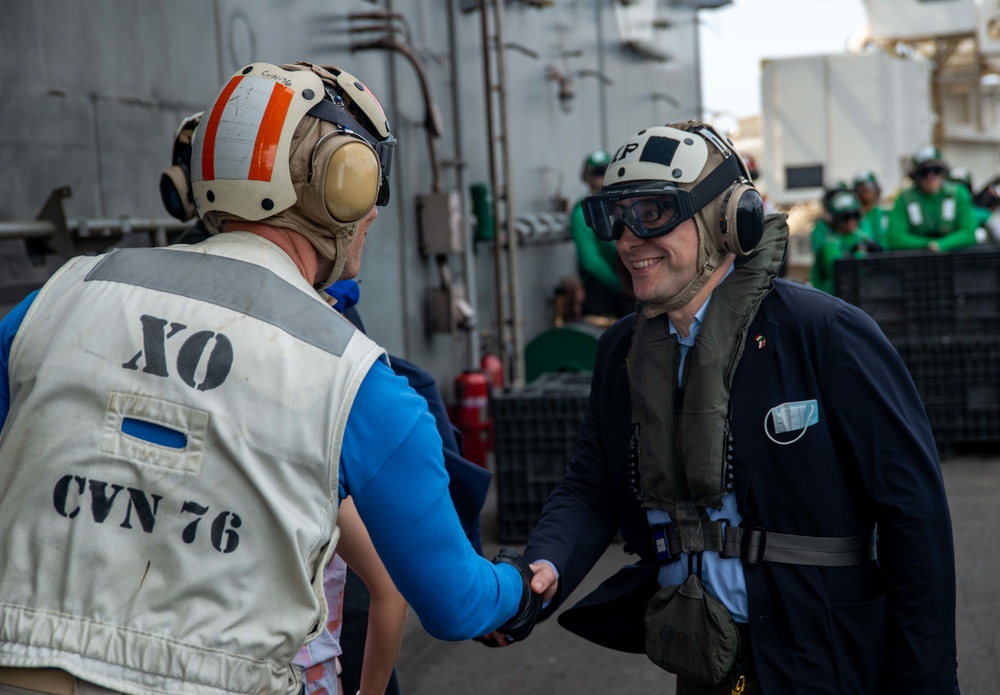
column 194, row 565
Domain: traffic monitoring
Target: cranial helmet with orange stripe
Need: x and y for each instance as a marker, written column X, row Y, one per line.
column 302, row 146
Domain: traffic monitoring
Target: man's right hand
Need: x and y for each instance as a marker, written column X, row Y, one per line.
column 545, row 581
column 523, row 622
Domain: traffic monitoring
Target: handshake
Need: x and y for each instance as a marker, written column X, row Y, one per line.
column 520, row 626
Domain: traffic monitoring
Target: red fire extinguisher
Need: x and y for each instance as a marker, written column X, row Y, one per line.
column 472, row 413
column 492, row 365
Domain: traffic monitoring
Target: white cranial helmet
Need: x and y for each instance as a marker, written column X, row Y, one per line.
column 300, row 146
column 690, row 171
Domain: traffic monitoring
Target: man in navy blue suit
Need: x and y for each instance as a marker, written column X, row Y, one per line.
column 761, row 449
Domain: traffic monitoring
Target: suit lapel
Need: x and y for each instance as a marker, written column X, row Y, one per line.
column 750, row 383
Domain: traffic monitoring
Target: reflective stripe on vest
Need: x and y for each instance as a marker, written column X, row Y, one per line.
column 183, row 273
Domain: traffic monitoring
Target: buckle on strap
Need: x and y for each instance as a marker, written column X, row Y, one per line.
column 755, row 545
column 715, row 535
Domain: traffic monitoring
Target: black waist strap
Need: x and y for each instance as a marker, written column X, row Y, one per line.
column 755, row 545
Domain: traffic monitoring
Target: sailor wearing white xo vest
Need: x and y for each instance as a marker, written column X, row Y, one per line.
column 179, row 425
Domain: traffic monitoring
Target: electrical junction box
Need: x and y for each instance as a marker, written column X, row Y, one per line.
column 441, row 223
column 825, row 118
column 448, row 310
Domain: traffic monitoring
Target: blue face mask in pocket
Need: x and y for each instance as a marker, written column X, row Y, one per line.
column 791, row 417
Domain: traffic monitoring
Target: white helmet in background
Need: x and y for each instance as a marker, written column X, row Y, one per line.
column 681, row 171
column 300, row 146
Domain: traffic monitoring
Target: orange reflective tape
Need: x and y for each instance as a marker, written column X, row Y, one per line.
column 212, row 128
column 266, row 146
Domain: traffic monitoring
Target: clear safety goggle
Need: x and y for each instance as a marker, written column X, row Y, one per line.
column 648, row 211
column 655, row 208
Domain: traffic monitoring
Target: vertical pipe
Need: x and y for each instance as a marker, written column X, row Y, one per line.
column 494, row 182
column 602, row 88
column 219, row 38
column 517, row 359
column 937, row 132
column 698, row 106
column 468, row 256
column 829, row 152
column 401, row 194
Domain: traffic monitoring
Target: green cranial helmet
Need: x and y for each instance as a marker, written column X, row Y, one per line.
column 926, row 156
column 866, row 178
column 595, row 164
column 844, row 203
column 832, row 190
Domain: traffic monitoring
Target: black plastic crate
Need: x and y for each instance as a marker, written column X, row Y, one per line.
column 976, row 291
column 915, row 294
column 955, row 427
column 959, row 382
column 893, row 288
column 535, row 430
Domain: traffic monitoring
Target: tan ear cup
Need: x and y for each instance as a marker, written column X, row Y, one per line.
column 353, row 176
column 742, row 221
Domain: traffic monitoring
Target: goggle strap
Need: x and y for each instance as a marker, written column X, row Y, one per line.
column 716, row 182
column 338, row 115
